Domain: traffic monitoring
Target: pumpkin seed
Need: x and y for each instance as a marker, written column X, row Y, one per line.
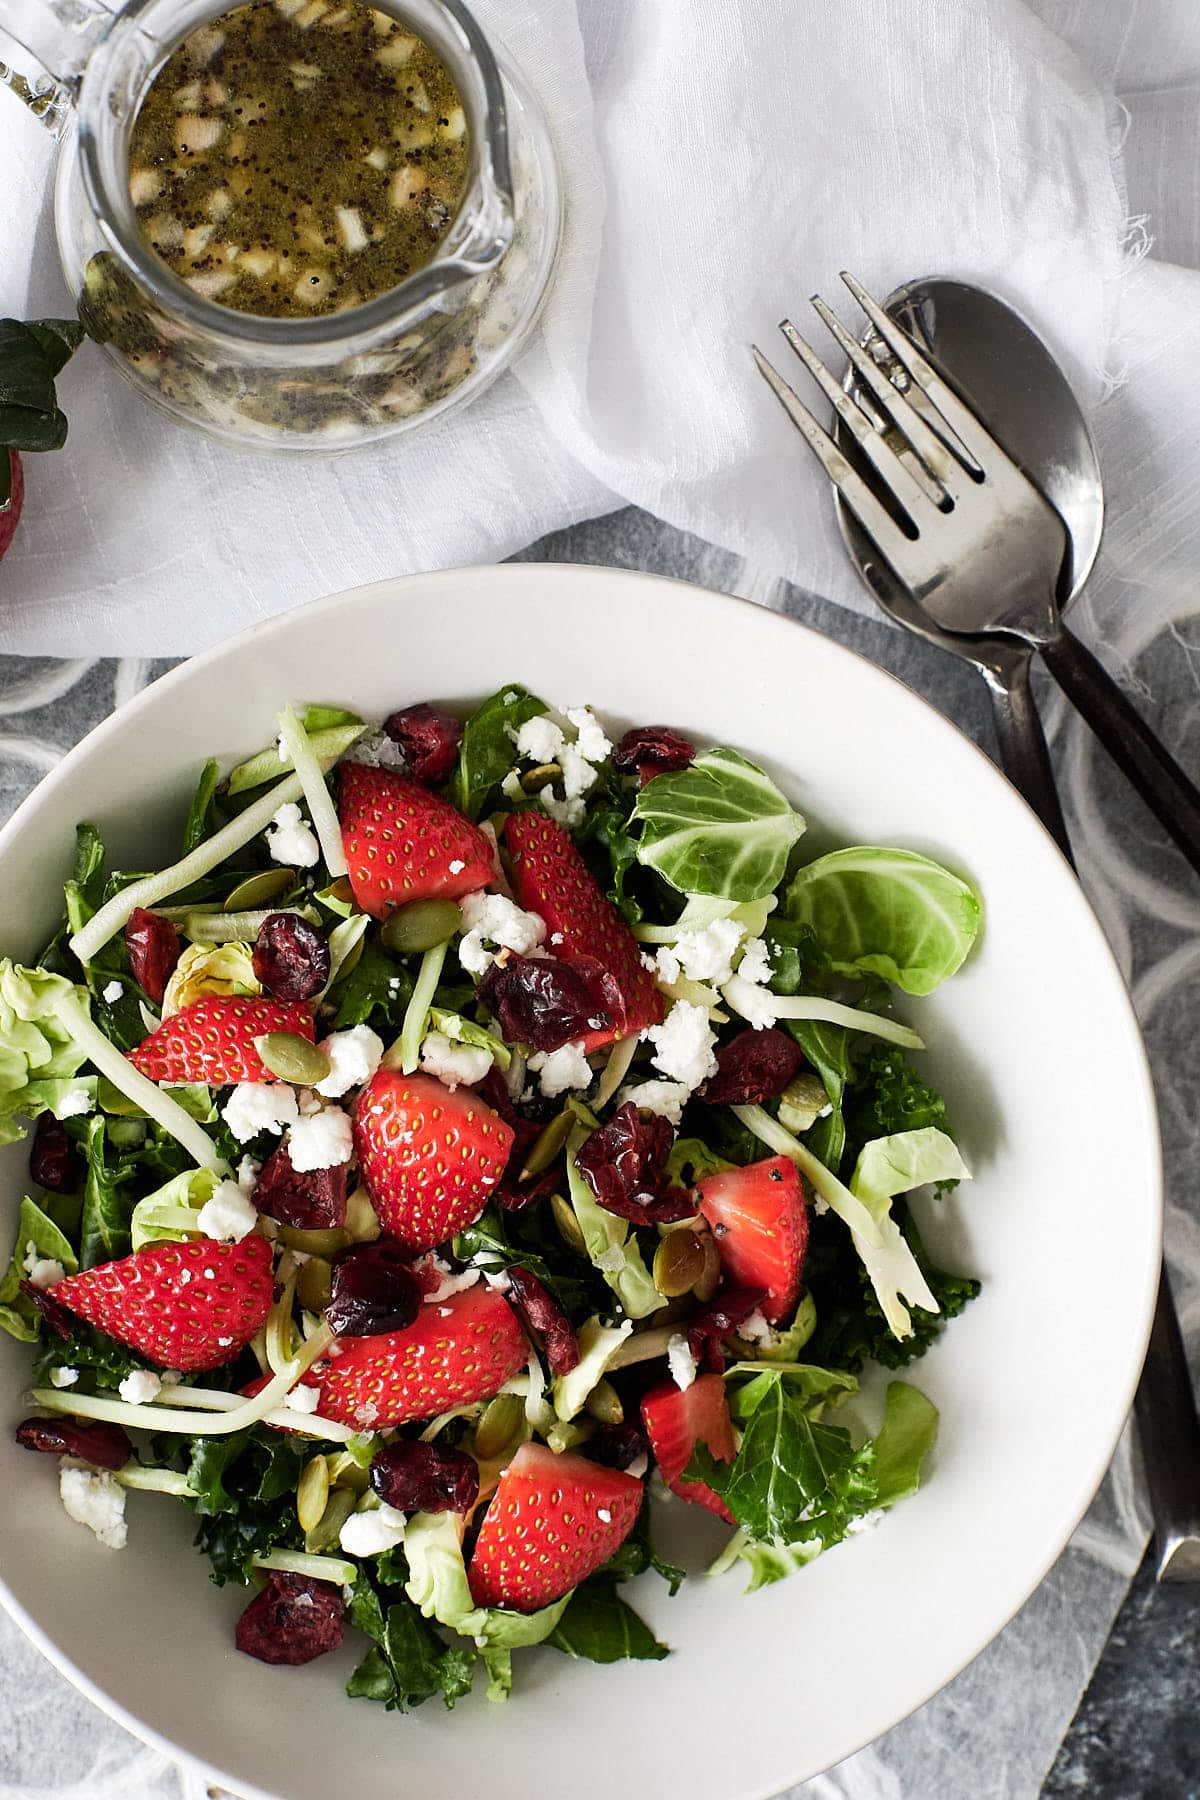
column 259, row 890
column 678, row 1263
column 290, row 1057
column 346, row 1472
column 534, row 780
column 422, row 926
column 604, row 1403
column 328, row 1529
column 313, row 1284
column 362, row 1221
column 568, row 1224
column 802, row 1102
column 314, row 1243
column 312, row 1494
column 548, row 1146
column 502, row 1419
column 706, row 1286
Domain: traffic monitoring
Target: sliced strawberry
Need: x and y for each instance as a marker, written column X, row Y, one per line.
column 186, row 1306
column 760, row 1222
column 553, row 1521
column 676, row 1420
column 403, row 843
column 212, row 1041
column 430, row 1156
column 582, row 927
column 456, row 1351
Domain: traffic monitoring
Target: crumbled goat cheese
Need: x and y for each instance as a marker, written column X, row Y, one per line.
column 291, row 839
column 702, row 955
column 567, row 813
column 683, row 1044
column 354, row 1056
column 230, row 1215
column 755, row 1329
column 456, row 866
column 370, row 1533
column 539, row 740
column 376, row 750
column 247, row 1173
column 493, row 919
column 303, row 1399
column 453, row 1063
column 256, row 1106
column 451, row 1282
column 755, row 965
column 604, row 1515
column 589, row 734
column 755, row 1004
column 680, row 1361
column 63, row 1377
column 91, row 1497
column 323, row 1141
column 140, row 1386
column 43, row 1271
column 558, row 1070
column 667, row 1098
column 75, row 1100
column 112, row 992
column 578, row 774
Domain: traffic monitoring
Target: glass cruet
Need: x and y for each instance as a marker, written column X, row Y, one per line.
column 340, row 379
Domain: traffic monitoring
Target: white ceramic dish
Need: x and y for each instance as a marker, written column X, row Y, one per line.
column 1035, row 1045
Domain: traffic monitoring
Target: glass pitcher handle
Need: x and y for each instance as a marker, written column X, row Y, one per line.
column 58, row 36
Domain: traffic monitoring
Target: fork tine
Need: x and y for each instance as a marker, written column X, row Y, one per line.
column 872, row 515
column 974, row 436
column 906, row 488
column 944, row 467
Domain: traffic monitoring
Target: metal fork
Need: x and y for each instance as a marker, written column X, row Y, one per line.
column 948, row 495
column 975, row 543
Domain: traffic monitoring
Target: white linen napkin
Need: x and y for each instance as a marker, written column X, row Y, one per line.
column 722, row 158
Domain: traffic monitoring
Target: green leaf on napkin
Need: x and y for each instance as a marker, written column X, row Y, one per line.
column 31, row 355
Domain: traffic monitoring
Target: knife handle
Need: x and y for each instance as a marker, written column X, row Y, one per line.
column 1165, row 1404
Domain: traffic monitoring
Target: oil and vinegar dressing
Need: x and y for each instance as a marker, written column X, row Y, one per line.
column 298, row 157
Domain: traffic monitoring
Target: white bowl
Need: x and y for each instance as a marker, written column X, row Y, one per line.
column 1034, row 1043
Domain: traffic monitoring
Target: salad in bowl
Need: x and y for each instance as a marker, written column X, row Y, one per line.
column 482, row 1135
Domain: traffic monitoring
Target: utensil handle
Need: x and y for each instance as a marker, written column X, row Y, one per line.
column 1165, row 1404
column 1024, row 755
column 1170, row 1432
column 1171, row 796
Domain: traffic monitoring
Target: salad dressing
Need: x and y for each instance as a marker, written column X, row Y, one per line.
column 299, row 157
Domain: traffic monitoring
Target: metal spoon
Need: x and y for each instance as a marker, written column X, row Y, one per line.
column 1008, row 375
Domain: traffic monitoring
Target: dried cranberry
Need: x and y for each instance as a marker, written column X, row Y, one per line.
column 291, row 957
column 52, row 1160
column 650, row 750
column 714, row 1321
column 429, row 739
column 547, row 1004
column 58, row 1317
column 753, row 1067
column 374, row 1288
column 416, row 1477
column 544, row 1320
column 516, row 1196
column 624, row 1164
column 104, row 1446
column 292, row 1621
column 616, row 1446
column 308, row 1200
column 153, row 946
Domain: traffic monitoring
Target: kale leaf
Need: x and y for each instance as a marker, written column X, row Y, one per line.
column 488, row 752
column 409, row 1662
column 598, row 1626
